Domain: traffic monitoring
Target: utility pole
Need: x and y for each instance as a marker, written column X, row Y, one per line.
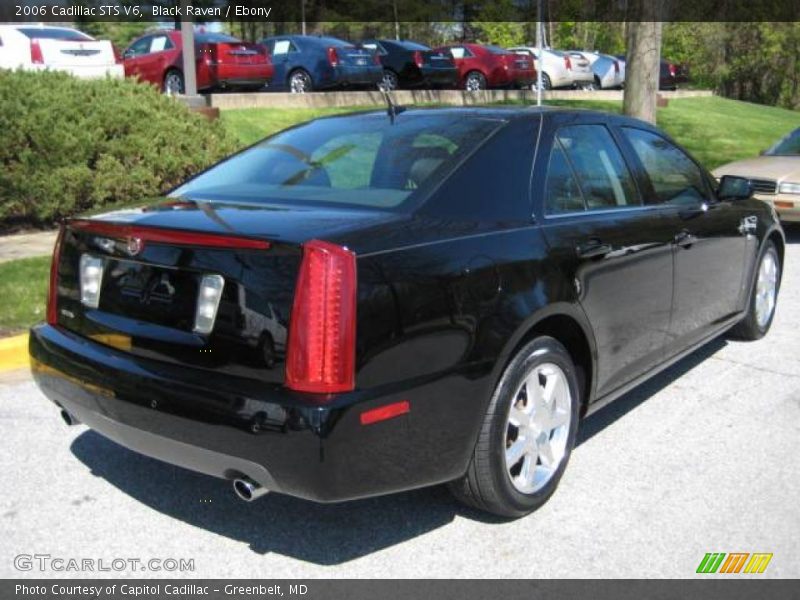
column 187, row 41
column 539, row 48
column 303, row 16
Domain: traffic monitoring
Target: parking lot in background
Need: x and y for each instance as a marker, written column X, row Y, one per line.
column 702, row 458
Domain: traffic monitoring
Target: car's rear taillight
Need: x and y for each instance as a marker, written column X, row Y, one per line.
column 418, row 59
column 616, row 67
column 333, row 57
column 567, row 63
column 376, row 58
column 36, row 53
column 672, row 70
column 52, row 292
column 322, row 331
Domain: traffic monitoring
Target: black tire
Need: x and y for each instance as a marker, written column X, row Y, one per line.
column 488, row 485
column 749, row 327
column 173, row 82
column 299, row 81
column 474, row 81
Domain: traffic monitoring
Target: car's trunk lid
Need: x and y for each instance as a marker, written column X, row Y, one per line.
column 154, row 265
column 56, row 52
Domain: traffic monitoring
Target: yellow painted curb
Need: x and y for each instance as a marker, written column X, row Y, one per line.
column 14, row 352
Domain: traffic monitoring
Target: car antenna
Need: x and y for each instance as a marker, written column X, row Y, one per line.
column 391, row 108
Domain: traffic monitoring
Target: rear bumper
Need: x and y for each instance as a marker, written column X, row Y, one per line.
column 240, row 75
column 229, row 427
column 432, row 76
column 116, row 71
column 370, row 75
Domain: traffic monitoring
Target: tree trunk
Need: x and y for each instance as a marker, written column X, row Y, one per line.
column 642, row 67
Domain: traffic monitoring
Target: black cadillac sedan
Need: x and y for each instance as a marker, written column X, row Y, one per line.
column 372, row 303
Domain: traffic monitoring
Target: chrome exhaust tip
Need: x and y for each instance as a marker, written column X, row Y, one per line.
column 68, row 418
column 248, row 490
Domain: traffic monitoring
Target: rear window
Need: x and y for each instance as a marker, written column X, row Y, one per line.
column 497, row 50
column 54, row 34
column 215, row 38
column 413, row 46
column 363, row 161
column 788, row 146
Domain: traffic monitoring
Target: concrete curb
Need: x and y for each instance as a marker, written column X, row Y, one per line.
column 14, row 353
column 374, row 98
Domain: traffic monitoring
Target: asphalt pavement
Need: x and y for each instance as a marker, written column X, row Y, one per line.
column 703, row 458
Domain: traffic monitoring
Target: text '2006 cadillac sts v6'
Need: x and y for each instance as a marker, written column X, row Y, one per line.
column 366, row 304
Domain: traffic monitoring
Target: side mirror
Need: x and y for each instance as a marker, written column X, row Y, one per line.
column 734, row 188
column 128, row 53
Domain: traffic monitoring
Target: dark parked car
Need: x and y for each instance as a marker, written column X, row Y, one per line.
column 442, row 324
column 304, row 63
column 222, row 62
column 409, row 64
column 481, row 67
column 669, row 75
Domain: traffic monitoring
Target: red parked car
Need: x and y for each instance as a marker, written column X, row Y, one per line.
column 223, row 62
column 481, row 67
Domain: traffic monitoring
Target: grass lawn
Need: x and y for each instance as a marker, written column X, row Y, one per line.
column 713, row 129
column 23, row 293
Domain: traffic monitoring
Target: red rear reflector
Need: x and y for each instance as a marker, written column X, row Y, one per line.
column 385, row 412
column 36, row 53
column 418, row 59
column 783, row 204
column 333, row 57
column 322, row 332
column 52, row 292
column 167, row 236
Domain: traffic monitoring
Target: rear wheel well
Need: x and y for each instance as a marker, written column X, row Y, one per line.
column 566, row 330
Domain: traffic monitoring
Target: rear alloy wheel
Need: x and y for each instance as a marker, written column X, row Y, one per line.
column 475, row 81
column 390, row 82
column 763, row 297
column 546, row 83
column 527, row 435
column 300, row 82
column 173, row 83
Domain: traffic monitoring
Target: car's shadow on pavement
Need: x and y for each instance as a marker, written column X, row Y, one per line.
column 317, row 533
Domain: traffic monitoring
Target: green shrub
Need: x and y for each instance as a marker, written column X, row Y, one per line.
column 70, row 145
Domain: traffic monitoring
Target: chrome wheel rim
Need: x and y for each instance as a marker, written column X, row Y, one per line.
column 473, row 83
column 537, row 428
column 766, row 288
column 173, row 84
column 299, row 83
column 389, row 81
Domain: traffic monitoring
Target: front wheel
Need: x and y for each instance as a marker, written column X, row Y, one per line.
column 763, row 297
column 527, row 435
column 300, row 82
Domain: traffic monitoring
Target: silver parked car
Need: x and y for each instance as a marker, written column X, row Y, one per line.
column 609, row 71
column 559, row 69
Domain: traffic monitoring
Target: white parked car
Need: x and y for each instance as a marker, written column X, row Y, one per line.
column 560, row 69
column 609, row 71
column 42, row 47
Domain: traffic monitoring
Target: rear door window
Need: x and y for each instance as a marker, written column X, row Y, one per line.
column 676, row 178
column 602, row 175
